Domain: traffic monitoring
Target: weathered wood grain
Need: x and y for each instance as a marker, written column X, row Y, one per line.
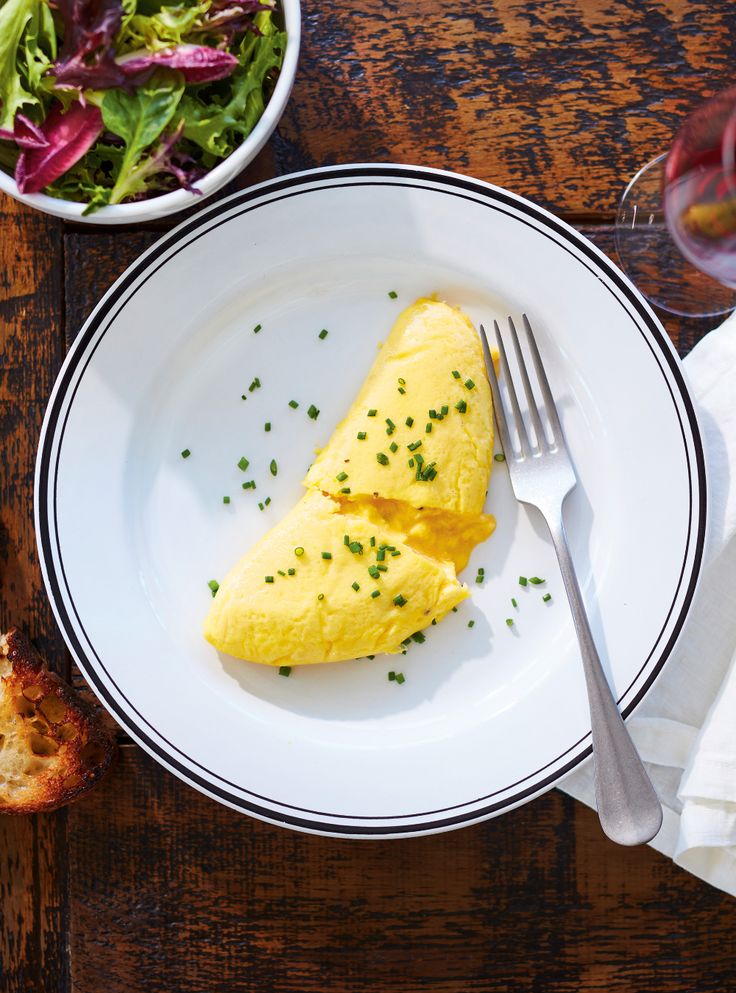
column 180, row 894
column 32, row 874
column 562, row 101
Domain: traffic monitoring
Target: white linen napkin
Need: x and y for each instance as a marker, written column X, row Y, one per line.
column 685, row 729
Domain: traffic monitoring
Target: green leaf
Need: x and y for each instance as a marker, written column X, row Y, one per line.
column 161, row 30
column 219, row 129
column 139, row 118
column 91, row 179
column 39, row 43
column 14, row 17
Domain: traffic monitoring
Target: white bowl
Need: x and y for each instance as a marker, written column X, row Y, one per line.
column 215, row 179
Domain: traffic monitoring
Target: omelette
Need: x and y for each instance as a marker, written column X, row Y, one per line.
column 393, row 508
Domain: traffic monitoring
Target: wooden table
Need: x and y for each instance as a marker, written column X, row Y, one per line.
column 145, row 885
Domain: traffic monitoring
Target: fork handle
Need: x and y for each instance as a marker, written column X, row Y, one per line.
column 628, row 808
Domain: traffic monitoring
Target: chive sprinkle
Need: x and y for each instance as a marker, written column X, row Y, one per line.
column 254, row 385
column 292, row 571
column 312, row 412
column 214, row 586
column 418, row 637
column 373, row 541
column 323, row 334
column 393, row 446
column 269, row 579
column 428, row 429
column 523, row 580
column 373, row 572
column 362, row 435
column 320, row 596
column 462, row 406
column 284, row 670
column 356, row 548
column 509, row 622
column 273, row 467
column 298, row 551
column 186, row 453
column 356, row 586
column 471, row 624
column 456, row 374
column 281, row 572
column 257, row 328
column 392, row 294
column 400, row 678
column 267, row 501
column 469, row 384
column 326, row 555
column 375, row 593
column 341, row 477
column 226, row 499
column 382, row 458
column 536, row 581
column 249, row 484
column 243, row 463
column 444, row 409
column 434, row 620
column 402, row 390
column 411, row 463
column 409, row 421
column 391, row 426
column 372, row 412
column 414, row 445
column 399, row 600
column 547, row 597
column 267, row 426
column 380, row 555
column 514, row 603
column 260, row 506
column 392, row 676
column 432, row 414
column 293, row 404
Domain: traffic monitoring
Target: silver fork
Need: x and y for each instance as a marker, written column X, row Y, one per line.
column 542, row 475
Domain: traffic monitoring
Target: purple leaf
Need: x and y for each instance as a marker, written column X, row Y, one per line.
column 68, row 136
column 197, row 63
column 25, row 133
column 231, row 17
column 87, row 57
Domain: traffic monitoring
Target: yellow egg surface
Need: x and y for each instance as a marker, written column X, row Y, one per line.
column 407, row 468
column 317, row 614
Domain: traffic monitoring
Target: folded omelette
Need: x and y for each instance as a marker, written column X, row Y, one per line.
column 392, row 510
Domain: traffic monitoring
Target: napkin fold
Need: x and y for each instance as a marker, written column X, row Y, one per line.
column 685, row 729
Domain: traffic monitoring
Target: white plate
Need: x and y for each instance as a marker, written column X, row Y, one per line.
column 130, row 532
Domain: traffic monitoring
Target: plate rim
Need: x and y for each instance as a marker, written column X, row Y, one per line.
column 347, row 825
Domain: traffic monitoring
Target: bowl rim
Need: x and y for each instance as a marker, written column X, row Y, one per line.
column 215, row 179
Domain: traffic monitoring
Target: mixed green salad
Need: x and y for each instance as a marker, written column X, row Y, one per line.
column 111, row 101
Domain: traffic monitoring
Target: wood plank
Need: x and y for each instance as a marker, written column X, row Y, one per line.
column 562, row 101
column 32, row 872
column 196, row 897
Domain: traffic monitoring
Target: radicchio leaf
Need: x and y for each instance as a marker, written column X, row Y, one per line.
column 87, row 57
column 25, row 133
column 68, row 136
column 197, row 63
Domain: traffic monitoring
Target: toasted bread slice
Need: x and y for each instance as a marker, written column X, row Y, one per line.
column 53, row 746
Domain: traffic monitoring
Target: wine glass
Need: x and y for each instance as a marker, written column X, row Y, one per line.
column 676, row 223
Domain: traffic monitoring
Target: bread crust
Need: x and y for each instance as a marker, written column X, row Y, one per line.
column 53, row 745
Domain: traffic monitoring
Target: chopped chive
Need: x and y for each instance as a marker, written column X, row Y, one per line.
column 380, row 555
column 370, row 656
column 293, row 404
column 392, row 676
column 326, row 555
column 428, row 429
column 402, row 382
column 395, row 552
column 320, row 596
column 479, row 578
column 513, row 602
column 281, row 572
column 391, row 426
column 414, row 445
column 269, row 579
column 298, row 551
column 249, row 484
column 432, row 414
column 499, row 457
column 462, row 406
column 399, row 600
column 523, row 580
column 382, row 568
column 214, row 586
column 536, row 581
column 356, row 548
column 312, row 412
column 323, row 334
column 372, row 412
column 509, row 622
column 418, row 637
column 411, row 463
column 373, row 572
column 346, row 539
column 186, row 453
column 267, row 426
column 284, row 670
column 382, row 458
column 243, row 464
column 393, row 446
column 456, row 374
column 547, row 597
column 444, row 409
column 260, row 506
column 362, row 435
column 375, row 593
column 267, row 501
column 373, row 541
column 226, row 499
column 469, row 384
column 402, row 390
column 434, row 620
column 292, row 571
column 409, row 421
column 392, row 294
column 356, row 586
column 273, row 467
column 400, row 678
column 471, row 624
column 257, row 328
column 454, row 610
column 243, row 396
column 254, row 385
column 341, row 477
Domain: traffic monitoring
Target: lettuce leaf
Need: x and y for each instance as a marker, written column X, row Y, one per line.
column 139, row 118
column 220, row 128
column 15, row 16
